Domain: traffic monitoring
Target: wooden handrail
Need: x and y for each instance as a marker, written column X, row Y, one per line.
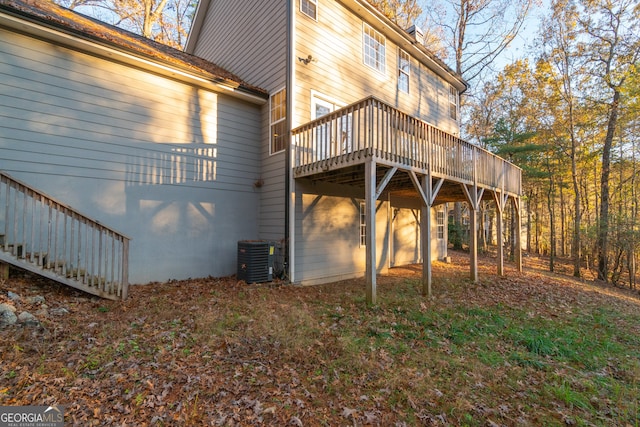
column 371, row 127
column 49, row 236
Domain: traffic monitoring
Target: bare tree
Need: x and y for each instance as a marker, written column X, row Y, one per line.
column 612, row 49
column 165, row 21
column 561, row 52
column 402, row 12
column 478, row 31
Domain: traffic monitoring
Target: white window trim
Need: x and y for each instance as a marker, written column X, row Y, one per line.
column 362, row 229
column 320, row 98
column 366, row 26
column 272, row 123
column 454, row 100
column 440, row 223
column 315, row 3
column 402, row 72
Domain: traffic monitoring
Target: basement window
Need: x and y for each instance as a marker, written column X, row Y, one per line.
column 309, row 8
column 440, row 225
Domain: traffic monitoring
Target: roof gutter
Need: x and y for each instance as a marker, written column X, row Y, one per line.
column 26, row 24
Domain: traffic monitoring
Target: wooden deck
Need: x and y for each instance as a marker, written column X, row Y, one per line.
column 335, row 148
column 374, row 146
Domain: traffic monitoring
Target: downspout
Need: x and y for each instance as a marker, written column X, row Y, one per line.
column 289, row 234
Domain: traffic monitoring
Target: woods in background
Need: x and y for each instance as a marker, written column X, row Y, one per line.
column 566, row 111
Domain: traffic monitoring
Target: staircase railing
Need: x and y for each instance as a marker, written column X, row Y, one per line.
column 54, row 240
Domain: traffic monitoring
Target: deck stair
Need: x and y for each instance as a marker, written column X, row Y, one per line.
column 53, row 240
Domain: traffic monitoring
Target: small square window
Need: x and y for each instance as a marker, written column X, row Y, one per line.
column 309, row 8
column 374, row 48
column 404, row 69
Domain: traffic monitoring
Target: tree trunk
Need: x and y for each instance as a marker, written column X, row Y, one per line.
column 603, row 224
column 563, row 219
column 552, row 225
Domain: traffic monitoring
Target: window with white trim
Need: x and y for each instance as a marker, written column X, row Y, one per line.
column 404, row 69
column 278, row 123
column 440, row 225
column 309, row 8
column 374, row 48
column 363, row 224
column 453, row 102
column 333, row 137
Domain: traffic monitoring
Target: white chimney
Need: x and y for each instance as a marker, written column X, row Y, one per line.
column 415, row 32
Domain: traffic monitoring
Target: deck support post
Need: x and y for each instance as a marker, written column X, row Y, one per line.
column 428, row 193
column 425, row 238
column 474, row 196
column 518, row 249
column 473, row 242
column 370, row 233
column 501, row 201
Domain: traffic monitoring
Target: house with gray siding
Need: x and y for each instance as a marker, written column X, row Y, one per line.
column 318, row 125
column 159, row 145
column 362, row 151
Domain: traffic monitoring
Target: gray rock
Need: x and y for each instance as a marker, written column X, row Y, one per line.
column 59, row 311
column 28, row 319
column 38, row 299
column 25, row 316
column 13, row 296
column 7, row 315
column 7, row 307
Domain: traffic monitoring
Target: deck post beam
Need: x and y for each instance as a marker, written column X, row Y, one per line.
column 501, row 201
column 428, row 193
column 425, row 237
column 518, row 252
column 385, row 180
column 370, row 233
column 474, row 196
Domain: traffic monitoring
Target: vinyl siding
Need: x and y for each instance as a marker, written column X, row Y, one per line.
column 171, row 165
column 338, row 70
column 405, row 247
column 249, row 39
column 328, row 235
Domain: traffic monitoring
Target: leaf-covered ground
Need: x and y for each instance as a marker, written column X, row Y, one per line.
column 524, row 349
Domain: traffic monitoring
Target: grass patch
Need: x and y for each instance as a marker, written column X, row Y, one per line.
column 509, row 353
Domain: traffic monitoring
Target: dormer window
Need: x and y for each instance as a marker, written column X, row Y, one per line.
column 309, row 8
column 374, row 48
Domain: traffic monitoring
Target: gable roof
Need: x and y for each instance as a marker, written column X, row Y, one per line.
column 372, row 16
column 45, row 19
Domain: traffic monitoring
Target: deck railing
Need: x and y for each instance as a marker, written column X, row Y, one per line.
column 47, row 237
column 373, row 128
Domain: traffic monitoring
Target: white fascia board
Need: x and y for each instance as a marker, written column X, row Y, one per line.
column 196, row 25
